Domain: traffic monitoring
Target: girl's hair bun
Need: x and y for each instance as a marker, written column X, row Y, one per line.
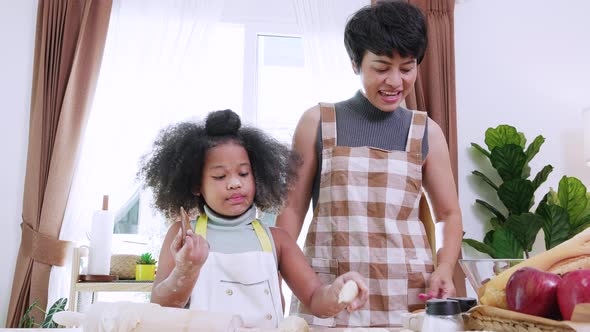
column 222, row 123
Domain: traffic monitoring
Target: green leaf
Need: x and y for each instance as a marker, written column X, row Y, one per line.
column 534, row 148
column 509, row 160
column 481, row 247
column 517, row 195
column 485, row 179
column 27, row 321
column 572, row 196
column 488, row 238
column 506, row 245
column 556, row 225
column 542, row 176
column 59, row 305
column 492, row 209
column 480, row 149
column 582, row 226
column 502, row 135
column 522, row 140
column 496, row 224
column 525, row 228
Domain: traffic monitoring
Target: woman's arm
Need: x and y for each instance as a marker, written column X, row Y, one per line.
column 178, row 267
column 322, row 300
column 304, row 141
column 438, row 181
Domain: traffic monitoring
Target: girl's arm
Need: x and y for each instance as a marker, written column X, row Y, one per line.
column 304, row 143
column 322, row 300
column 178, row 267
column 440, row 186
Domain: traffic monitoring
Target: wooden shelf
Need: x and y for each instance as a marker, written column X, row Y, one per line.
column 114, row 286
column 108, row 286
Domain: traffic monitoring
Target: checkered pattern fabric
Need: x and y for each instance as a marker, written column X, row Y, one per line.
column 366, row 220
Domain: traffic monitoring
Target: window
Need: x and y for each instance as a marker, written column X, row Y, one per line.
column 281, row 84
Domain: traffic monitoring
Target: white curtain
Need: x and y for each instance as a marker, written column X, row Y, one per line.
column 156, row 70
column 322, row 25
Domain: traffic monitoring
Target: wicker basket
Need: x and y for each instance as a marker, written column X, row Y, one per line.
column 123, row 266
column 496, row 319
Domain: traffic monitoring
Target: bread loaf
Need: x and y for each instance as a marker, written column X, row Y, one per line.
column 570, row 255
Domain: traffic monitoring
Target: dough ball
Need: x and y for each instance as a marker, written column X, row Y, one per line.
column 348, row 292
column 293, row 324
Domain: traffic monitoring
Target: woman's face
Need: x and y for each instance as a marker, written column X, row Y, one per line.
column 227, row 185
column 386, row 81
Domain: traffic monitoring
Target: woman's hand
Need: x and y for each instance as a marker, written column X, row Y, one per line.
column 441, row 282
column 190, row 251
column 334, row 292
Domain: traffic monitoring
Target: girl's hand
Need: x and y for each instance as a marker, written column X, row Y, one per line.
column 358, row 301
column 441, row 282
column 190, row 251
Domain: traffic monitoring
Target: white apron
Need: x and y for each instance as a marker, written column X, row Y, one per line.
column 244, row 284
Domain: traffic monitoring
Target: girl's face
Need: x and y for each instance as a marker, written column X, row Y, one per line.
column 228, row 185
column 387, row 80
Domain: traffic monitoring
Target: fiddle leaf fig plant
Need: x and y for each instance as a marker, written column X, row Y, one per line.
column 566, row 212
column 514, row 226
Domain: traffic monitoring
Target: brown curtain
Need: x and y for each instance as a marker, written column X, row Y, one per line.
column 434, row 90
column 69, row 44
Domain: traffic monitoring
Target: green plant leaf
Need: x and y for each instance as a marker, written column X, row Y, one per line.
column 489, row 237
column 509, row 160
column 506, row 245
column 485, row 179
column 146, row 259
column 492, row 209
column 525, row 228
column 572, row 196
column 496, row 224
column 480, row 149
column 582, row 226
column 542, row 176
column 481, row 247
column 534, row 148
column 27, row 321
column 59, row 305
column 502, row 135
column 517, row 195
column 556, row 225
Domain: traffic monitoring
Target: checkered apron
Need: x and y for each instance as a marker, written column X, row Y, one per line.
column 366, row 220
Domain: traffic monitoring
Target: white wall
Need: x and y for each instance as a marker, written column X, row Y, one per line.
column 17, row 37
column 525, row 63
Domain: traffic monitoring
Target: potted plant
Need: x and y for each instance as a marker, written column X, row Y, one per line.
column 514, row 226
column 28, row 319
column 145, row 269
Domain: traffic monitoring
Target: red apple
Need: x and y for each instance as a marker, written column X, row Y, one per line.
column 574, row 289
column 532, row 291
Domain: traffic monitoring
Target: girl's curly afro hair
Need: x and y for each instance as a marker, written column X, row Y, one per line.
column 174, row 167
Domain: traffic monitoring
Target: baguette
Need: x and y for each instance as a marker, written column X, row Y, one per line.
column 570, row 255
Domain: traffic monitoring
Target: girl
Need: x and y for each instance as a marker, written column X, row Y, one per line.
column 230, row 262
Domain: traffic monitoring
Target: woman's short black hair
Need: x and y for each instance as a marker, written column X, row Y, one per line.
column 386, row 28
column 174, row 167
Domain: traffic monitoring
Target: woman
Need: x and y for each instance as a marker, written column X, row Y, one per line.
column 365, row 161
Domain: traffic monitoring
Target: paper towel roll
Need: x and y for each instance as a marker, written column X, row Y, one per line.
column 101, row 238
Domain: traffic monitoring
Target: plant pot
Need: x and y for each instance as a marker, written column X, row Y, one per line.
column 145, row 271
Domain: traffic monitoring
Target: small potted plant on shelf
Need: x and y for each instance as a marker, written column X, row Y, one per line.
column 145, row 269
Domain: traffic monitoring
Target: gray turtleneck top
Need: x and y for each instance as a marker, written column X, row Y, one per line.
column 360, row 123
column 234, row 235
